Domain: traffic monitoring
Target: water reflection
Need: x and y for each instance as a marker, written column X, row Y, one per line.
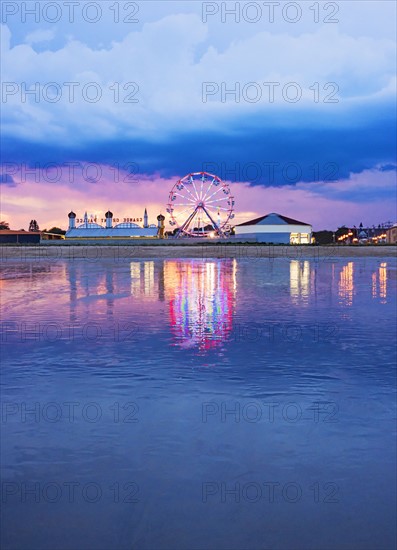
column 299, row 280
column 200, row 295
column 294, row 334
column 346, row 284
column 379, row 283
column 201, row 300
column 196, row 301
column 142, row 278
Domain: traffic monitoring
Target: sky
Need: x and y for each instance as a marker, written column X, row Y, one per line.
column 106, row 104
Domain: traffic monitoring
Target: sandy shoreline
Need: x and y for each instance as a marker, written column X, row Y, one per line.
column 239, row 251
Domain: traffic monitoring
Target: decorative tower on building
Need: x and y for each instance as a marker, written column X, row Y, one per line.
column 109, row 219
column 160, row 226
column 72, row 220
column 145, row 219
column 85, row 219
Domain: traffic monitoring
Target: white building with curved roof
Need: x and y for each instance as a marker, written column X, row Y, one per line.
column 275, row 228
column 90, row 229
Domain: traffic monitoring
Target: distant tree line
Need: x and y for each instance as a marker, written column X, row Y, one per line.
column 34, row 226
column 56, row 230
column 323, row 237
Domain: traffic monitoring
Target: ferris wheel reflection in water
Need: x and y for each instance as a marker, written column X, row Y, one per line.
column 201, row 299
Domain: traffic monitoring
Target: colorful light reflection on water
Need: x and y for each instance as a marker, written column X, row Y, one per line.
column 201, row 300
column 302, row 335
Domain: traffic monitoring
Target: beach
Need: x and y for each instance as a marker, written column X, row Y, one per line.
column 253, row 394
column 117, row 251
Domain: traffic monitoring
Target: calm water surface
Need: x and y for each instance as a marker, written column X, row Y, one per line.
column 190, row 404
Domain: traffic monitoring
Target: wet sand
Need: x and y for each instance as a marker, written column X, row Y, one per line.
column 119, row 251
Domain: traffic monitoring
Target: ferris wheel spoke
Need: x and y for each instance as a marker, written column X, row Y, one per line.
column 215, row 208
column 220, row 208
column 210, row 187
column 212, row 203
column 223, row 198
column 201, row 188
column 215, row 193
column 179, row 214
column 185, row 226
column 213, row 211
column 194, row 187
column 188, row 190
column 184, row 197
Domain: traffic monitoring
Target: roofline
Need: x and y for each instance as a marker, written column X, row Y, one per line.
column 15, row 231
column 285, row 218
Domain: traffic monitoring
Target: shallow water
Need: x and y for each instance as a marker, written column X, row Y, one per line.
column 190, row 404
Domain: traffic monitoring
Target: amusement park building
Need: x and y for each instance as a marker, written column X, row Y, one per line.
column 90, row 229
column 391, row 234
column 275, row 228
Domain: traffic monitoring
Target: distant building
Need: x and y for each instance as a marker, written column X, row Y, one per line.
column 391, row 235
column 90, row 229
column 361, row 235
column 275, row 228
column 8, row 236
column 47, row 236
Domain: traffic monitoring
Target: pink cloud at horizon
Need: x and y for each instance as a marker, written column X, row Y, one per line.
column 325, row 205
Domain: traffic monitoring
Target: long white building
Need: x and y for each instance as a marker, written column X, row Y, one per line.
column 90, row 229
column 275, row 228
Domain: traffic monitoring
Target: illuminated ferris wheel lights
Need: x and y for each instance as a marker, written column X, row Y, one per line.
column 199, row 208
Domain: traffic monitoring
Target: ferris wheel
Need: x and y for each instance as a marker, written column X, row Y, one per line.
column 200, row 205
